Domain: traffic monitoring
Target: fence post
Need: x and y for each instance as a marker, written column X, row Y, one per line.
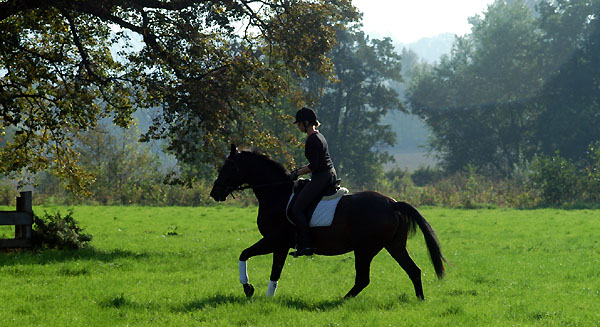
column 24, row 204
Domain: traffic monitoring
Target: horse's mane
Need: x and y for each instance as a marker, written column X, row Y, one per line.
column 266, row 159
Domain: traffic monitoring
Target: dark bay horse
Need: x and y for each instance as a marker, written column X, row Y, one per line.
column 364, row 222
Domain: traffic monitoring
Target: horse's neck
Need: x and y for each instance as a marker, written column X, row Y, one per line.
column 272, row 204
column 270, row 187
column 273, row 195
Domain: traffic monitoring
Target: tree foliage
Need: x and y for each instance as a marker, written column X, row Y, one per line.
column 570, row 101
column 521, row 83
column 207, row 64
column 351, row 106
column 121, row 165
column 555, row 178
column 476, row 99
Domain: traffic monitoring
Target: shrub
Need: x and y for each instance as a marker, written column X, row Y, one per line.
column 426, row 175
column 554, row 178
column 58, row 232
column 592, row 170
column 8, row 193
column 394, row 173
column 465, row 189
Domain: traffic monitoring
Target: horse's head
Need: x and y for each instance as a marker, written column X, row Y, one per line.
column 230, row 177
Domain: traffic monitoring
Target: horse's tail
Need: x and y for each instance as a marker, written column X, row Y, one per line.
column 433, row 245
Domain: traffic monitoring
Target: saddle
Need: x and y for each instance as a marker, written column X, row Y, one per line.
column 331, row 190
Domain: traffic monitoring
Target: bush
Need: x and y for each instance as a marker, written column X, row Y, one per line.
column 466, row 189
column 426, row 175
column 555, row 179
column 8, row 193
column 592, row 171
column 395, row 173
column 57, row 232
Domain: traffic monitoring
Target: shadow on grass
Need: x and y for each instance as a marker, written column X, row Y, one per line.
column 53, row 256
column 319, row 306
column 210, row 302
column 122, row 301
column 222, row 299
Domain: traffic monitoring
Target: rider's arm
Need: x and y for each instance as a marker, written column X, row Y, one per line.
column 303, row 170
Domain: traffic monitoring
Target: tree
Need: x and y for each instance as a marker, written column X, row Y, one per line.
column 351, row 106
column 519, row 85
column 571, row 99
column 206, row 64
column 477, row 101
column 123, row 168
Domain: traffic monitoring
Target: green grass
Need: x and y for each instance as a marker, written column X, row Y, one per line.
column 178, row 267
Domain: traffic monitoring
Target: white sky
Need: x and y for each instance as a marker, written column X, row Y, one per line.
column 407, row 21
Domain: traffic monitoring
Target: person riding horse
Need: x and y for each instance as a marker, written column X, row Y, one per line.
column 323, row 175
column 364, row 223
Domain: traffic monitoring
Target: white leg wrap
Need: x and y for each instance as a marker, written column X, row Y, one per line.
column 272, row 288
column 243, row 273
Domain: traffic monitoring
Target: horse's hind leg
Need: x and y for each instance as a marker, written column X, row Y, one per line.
column 362, row 264
column 400, row 254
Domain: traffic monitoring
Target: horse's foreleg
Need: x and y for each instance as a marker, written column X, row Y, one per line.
column 279, row 257
column 263, row 246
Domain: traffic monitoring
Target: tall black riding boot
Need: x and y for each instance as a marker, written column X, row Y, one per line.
column 304, row 245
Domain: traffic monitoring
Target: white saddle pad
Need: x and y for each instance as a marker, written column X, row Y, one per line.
column 323, row 215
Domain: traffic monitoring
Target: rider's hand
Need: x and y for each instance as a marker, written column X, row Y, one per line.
column 295, row 174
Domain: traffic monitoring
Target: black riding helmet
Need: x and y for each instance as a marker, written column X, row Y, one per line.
column 306, row 114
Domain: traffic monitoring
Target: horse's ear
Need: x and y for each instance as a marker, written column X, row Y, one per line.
column 233, row 150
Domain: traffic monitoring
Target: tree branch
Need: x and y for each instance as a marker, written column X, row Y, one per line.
column 13, row 7
column 171, row 5
column 254, row 16
column 82, row 52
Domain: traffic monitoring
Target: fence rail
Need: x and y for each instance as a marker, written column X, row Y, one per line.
column 22, row 219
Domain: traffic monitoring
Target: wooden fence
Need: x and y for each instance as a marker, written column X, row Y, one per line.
column 22, row 218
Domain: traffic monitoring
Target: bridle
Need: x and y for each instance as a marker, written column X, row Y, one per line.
column 231, row 189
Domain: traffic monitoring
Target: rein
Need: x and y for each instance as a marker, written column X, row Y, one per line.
column 247, row 186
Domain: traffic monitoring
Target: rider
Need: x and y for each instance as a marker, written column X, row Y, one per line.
column 323, row 175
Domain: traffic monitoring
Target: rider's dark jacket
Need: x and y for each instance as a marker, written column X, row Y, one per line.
column 317, row 153
column 323, row 175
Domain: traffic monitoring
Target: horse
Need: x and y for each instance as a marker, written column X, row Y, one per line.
column 364, row 222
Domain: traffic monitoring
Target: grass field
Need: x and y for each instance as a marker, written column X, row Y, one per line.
column 178, row 267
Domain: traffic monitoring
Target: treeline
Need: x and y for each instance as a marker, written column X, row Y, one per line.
column 129, row 173
column 546, row 181
column 125, row 171
column 514, row 109
column 523, row 84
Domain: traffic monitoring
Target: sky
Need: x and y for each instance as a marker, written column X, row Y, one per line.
column 407, row 21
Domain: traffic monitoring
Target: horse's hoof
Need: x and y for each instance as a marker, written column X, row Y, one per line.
column 249, row 290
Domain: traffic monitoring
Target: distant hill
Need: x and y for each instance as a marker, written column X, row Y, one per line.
column 430, row 49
